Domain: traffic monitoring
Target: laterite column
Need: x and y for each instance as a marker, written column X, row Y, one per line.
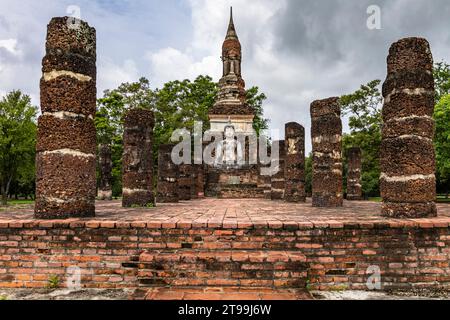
column 278, row 182
column 354, row 187
column 408, row 166
column 66, row 139
column 185, row 182
column 326, row 136
column 105, row 167
column 168, row 174
column 295, row 163
column 138, row 159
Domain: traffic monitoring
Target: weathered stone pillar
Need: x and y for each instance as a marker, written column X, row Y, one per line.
column 137, row 179
column 295, row 163
column 408, row 182
column 195, row 172
column 326, row 136
column 278, row 182
column 168, row 174
column 354, row 187
column 105, row 168
column 200, row 182
column 66, row 140
column 185, row 182
column 265, row 184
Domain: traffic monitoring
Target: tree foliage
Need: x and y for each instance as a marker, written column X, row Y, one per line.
column 441, row 74
column 17, row 143
column 442, row 142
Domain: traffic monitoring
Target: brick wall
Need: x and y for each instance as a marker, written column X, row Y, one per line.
column 408, row 254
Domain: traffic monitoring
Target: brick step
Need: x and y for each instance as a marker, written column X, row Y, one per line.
column 238, row 268
column 220, row 293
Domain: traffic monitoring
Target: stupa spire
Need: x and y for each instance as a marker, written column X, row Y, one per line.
column 231, row 32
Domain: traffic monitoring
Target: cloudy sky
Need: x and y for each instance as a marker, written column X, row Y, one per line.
column 296, row 51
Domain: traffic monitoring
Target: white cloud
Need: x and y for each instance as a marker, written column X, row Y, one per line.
column 10, row 45
column 171, row 64
column 111, row 75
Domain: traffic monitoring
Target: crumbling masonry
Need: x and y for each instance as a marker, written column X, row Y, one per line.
column 354, row 187
column 326, row 133
column 185, row 182
column 295, row 190
column 278, row 180
column 66, row 141
column 168, row 174
column 408, row 182
column 138, row 158
column 105, row 168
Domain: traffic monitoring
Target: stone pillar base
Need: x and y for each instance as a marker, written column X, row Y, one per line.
column 105, row 195
column 409, row 210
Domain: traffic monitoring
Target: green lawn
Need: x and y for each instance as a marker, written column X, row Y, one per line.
column 12, row 203
column 18, row 202
column 442, row 199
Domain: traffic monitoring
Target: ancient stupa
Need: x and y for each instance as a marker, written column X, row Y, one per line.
column 232, row 115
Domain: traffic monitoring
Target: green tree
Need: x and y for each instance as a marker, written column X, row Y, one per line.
column 17, row 141
column 442, row 142
column 109, row 126
column 179, row 104
column 364, row 110
column 256, row 100
column 441, row 74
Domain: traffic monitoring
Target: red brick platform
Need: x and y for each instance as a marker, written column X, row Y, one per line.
column 227, row 247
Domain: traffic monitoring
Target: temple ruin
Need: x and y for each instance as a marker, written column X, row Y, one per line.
column 234, row 175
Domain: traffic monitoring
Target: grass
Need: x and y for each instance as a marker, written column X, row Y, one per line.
column 443, row 199
column 19, row 202
column 3, row 298
column 53, row 282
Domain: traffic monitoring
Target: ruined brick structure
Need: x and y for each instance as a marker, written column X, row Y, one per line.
column 66, row 140
column 168, row 175
column 408, row 182
column 194, row 181
column 354, row 187
column 200, row 181
column 326, row 133
column 278, row 181
column 105, row 169
column 185, row 182
column 138, row 158
column 295, row 190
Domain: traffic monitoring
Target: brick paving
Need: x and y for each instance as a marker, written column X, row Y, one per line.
column 233, row 214
column 222, row 293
